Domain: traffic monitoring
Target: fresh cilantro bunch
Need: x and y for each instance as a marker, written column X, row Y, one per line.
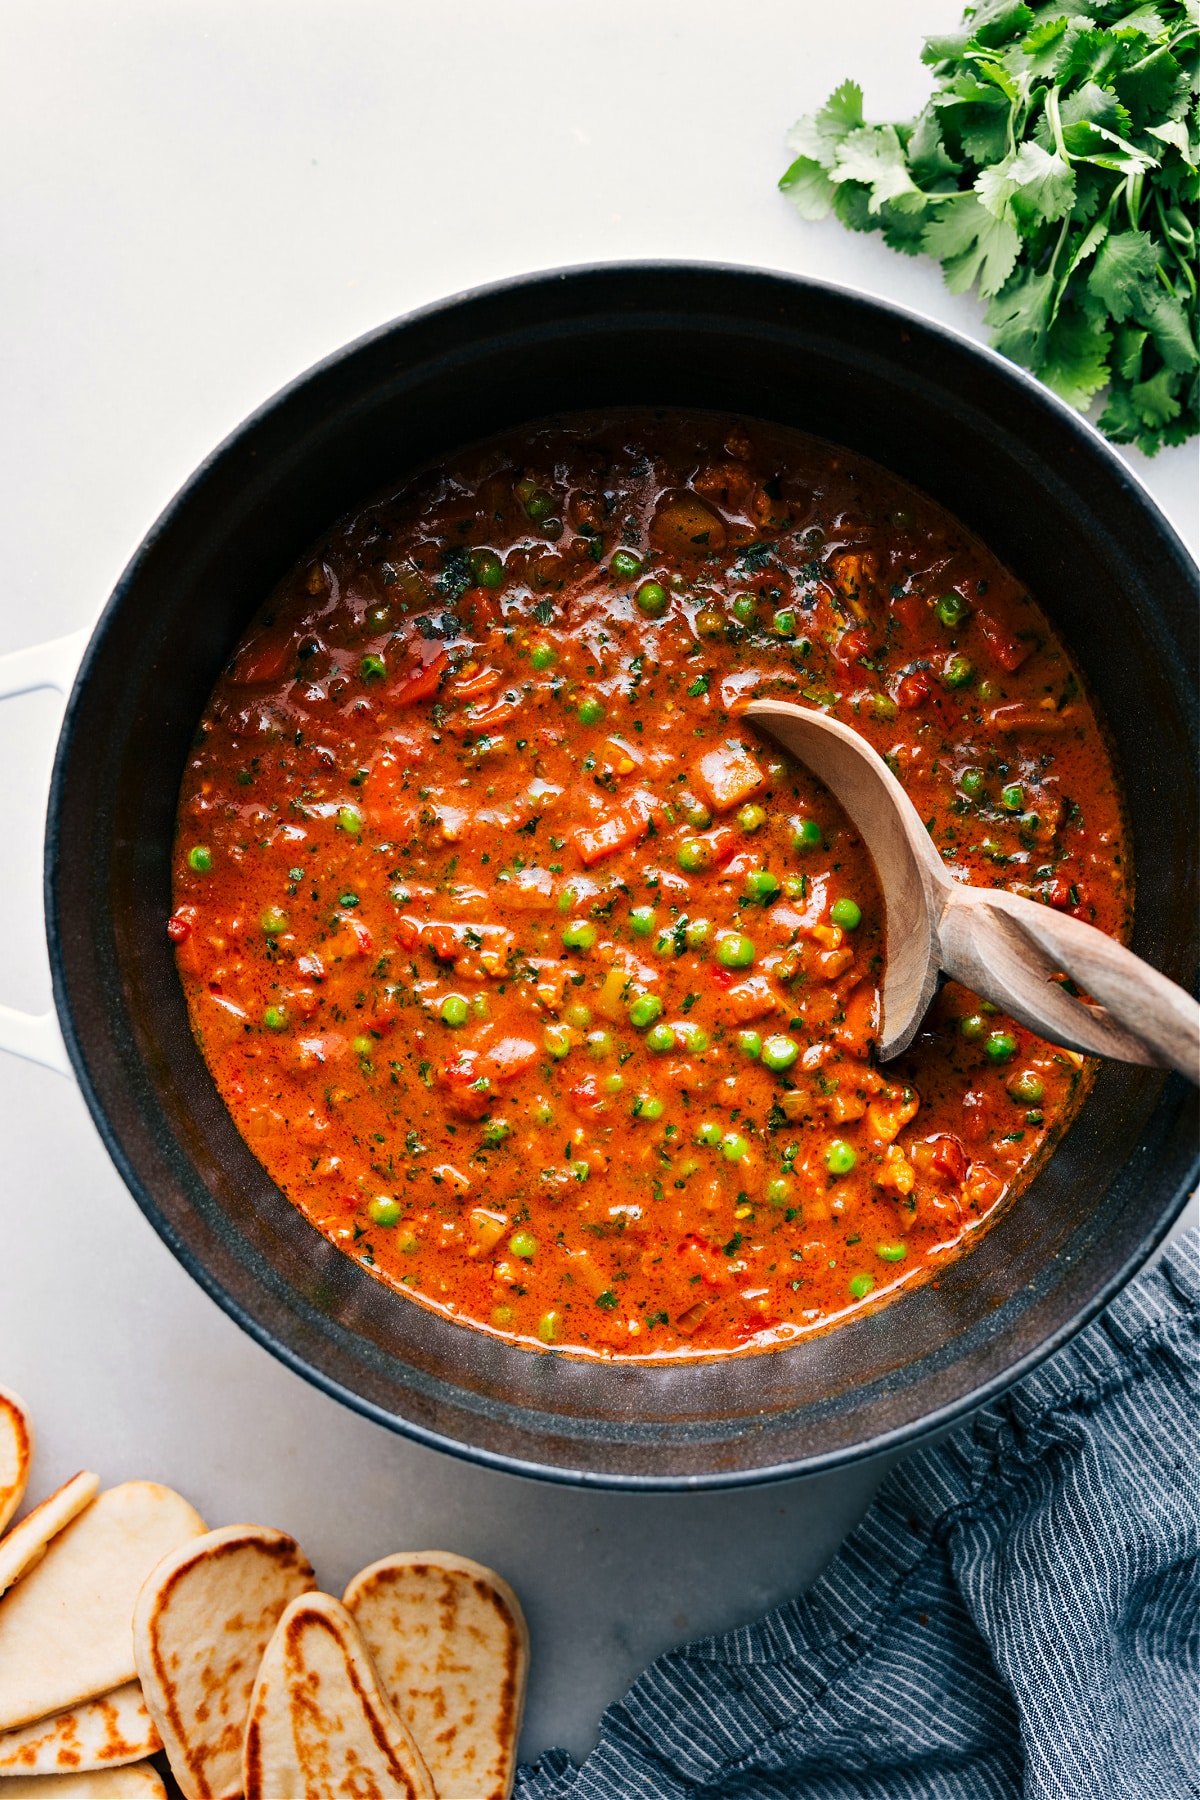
column 1055, row 165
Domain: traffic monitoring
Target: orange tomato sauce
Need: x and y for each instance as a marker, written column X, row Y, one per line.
column 541, row 984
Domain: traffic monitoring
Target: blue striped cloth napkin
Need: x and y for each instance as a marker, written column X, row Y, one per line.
column 1015, row 1619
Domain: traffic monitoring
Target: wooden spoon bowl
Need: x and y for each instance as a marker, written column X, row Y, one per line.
column 1005, row 948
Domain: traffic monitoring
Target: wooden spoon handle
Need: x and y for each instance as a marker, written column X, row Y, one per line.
column 1009, row 949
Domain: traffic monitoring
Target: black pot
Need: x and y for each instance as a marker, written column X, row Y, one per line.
column 1042, row 490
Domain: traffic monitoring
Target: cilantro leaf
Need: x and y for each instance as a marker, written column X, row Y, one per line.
column 1055, row 168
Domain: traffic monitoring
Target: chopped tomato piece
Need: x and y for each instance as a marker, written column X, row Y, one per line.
column 441, row 940
column 421, row 680
column 913, row 691
column 1008, row 651
column 851, row 647
column 262, row 659
column 941, row 1159
column 179, row 925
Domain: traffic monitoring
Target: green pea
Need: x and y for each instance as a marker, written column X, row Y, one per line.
column 613, row 1083
column 455, row 1011
column 1026, row 1088
column 591, row 711
column 660, row 1038
column 892, row 1252
column 971, row 781
column 648, row 1106
column 779, row 1053
column 274, row 921
column 556, row 1041
column 543, row 656
column 750, row 1045
column 1036, row 1117
column 481, row 1007
column 973, row 1027
column 958, row 671
column 549, row 1327
column 987, row 690
column 539, row 505
column 626, row 564
column 761, row 885
column 1001, row 1047
column 580, row 934
column 693, row 1037
column 840, row 1158
column 709, row 623
column 734, row 950
column 697, row 933
column 777, row 1191
column 708, row 1134
column 652, row 599
column 599, row 1045
column 697, row 815
column 734, row 1146
column 1012, row 798
column 884, row 707
column 578, row 1015
column 495, row 1132
column 275, row 1018
column 502, row 1315
column 523, row 1244
column 410, row 1244
column 666, row 944
column 377, row 618
column 199, row 859
column 543, row 1113
column 861, row 1285
column 744, row 608
column 807, row 835
column 784, row 624
column 372, row 668
column 486, row 567
column 361, row 1046
column 644, row 1010
column 350, row 819
column 752, row 817
column 693, row 855
column 383, row 1210
column 952, row 609
column 642, row 920
column 847, row 914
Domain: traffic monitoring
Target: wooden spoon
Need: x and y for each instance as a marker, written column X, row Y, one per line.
column 1000, row 946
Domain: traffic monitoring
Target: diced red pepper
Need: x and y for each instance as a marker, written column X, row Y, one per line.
column 179, row 929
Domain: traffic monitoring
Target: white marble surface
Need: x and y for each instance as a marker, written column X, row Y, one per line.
column 196, row 202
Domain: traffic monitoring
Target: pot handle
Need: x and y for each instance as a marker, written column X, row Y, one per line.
column 36, row 1036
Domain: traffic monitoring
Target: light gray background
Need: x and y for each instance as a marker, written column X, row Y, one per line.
column 196, row 202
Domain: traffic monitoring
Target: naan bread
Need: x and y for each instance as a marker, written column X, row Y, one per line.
column 202, row 1622
column 26, row 1543
column 451, row 1646
column 99, row 1734
column 320, row 1726
column 66, row 1629
column 137, row 1781
column 16, row 1453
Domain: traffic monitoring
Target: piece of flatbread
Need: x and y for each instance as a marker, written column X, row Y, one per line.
column 16, row 1453
column 137, row 1781
column 450, row 1642
column 99, row 1734
column 66, row 1629
column 202, row 1622
column 320, row 1725
column 26, row 1543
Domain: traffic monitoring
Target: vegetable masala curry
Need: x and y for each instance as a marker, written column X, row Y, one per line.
column 547, row 989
